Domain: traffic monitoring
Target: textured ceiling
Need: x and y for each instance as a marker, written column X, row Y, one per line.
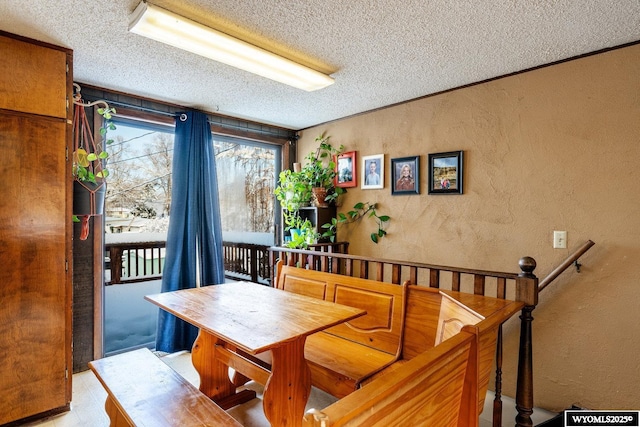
column 380, row 52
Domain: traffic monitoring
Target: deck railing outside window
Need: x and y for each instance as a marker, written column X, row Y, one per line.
column 144, row 261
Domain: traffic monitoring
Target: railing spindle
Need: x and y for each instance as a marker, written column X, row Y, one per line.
column 380, row 272
column 396, row 273
column 501, row 291
column 434, row 278
column 479, row 284
column 364, row 269
column 348, row 268
column 413, row 274
column 497, row 401
column 455, row 281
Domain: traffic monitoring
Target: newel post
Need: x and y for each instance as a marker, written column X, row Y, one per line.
column 527, row 292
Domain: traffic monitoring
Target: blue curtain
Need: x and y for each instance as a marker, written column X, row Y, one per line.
column 194, row 240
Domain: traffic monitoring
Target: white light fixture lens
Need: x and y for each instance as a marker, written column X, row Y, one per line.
column 167, row 27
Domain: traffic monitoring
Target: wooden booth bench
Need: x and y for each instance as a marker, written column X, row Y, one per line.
column 342, row 357
column 143, row 391
column 401, row 324
column 434, row 316
column 436, row 388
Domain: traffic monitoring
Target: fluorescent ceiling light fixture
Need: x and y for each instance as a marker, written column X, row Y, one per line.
column 166, row 27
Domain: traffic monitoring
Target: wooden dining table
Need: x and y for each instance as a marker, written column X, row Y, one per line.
column 241, row 319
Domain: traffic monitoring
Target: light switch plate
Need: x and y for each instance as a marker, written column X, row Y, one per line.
column 559, row 239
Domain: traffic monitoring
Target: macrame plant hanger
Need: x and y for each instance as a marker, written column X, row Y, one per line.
column 88, row 189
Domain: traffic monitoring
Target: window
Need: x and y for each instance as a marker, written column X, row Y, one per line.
column 139, row 190
column 246, row 180
column 137, row 217
column 139, row 185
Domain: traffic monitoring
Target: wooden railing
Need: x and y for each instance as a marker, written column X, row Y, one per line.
column 571, row 260
column 134, row 262
column 247, row 261
column 144, row 261
column 459, row 279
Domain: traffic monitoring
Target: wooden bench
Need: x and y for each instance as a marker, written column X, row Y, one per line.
column 430, row 317
column 143, row 391
column 342, row 357
column 433, row 316
column 436, row 388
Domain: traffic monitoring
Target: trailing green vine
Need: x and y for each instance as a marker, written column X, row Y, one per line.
column 359, row 211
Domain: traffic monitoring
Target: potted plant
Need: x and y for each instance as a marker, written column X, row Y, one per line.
column 302, row 231
column 296, row 189
column 293, row 190
column 320, row 171
column 89, row 164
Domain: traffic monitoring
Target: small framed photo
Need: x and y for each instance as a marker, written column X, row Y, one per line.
column 405, row 177
column 346, row 169
column 445, row 173
column 373, row 172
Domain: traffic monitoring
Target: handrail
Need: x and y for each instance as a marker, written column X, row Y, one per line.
column 565, row 264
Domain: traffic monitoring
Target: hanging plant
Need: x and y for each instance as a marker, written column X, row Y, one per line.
column 89, row 162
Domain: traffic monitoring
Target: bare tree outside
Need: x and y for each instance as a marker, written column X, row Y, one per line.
column 249, row 171
column 159, row 156
column 139, row 186
column 140, row 180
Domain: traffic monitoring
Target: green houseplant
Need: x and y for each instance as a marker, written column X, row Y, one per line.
column 359, row 211
column 297, row 189
column 89, row 162
column 293, row 190
column 320, row 171
column 302, row 231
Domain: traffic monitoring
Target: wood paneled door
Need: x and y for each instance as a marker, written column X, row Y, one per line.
column 35, row 229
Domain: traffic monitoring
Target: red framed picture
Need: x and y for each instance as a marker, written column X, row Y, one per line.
column 346, row 170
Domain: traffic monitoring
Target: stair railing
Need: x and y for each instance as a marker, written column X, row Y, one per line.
column 571, row 259
column 524, row 389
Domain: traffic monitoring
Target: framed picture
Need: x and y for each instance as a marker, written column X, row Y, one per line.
column 346, row 169
column 445, row 173
column 373, row 172
column 405, row 178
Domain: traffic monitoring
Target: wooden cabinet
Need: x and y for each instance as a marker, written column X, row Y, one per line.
column 35, row 228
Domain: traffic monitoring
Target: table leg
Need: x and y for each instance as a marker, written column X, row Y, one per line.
column 214, row 375
column 287, row 391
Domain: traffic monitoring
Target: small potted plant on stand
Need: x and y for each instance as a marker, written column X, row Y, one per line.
column 293, row 192
column 302, row 231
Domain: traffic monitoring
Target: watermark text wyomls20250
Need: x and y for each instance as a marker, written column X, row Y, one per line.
column 601, row 418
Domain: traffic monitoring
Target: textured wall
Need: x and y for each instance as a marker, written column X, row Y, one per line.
column 557, row 148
